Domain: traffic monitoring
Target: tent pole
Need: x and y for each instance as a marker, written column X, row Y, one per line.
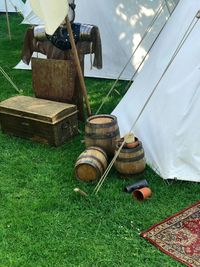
column 78, row 66
column 7, row 18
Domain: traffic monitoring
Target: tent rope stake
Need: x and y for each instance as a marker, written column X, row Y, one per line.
column 180, row 45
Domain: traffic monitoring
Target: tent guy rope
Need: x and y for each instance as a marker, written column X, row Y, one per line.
column 168, row 7
column 183, row 40
column 180, row 45
column 10, row 80
column 148, row 29
column 144, row 58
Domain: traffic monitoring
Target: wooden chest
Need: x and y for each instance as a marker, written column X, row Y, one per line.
column 40, row 120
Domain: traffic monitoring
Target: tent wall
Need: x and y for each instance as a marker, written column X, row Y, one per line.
column 12, row 5
column 29, row 15
column 168, row 126
column 122, row 24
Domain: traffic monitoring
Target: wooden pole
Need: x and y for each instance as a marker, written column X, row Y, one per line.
column 78, row 66
column 7, row 18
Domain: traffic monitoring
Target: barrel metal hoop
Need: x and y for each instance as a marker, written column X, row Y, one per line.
column 99, row 150
column 103, row 136
column 91, row 163
column 131, row 150
column 101, row 125
column 131, row 159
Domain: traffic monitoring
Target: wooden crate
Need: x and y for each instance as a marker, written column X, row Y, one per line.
column 57, row 80
column 53, row 79
column 38, row 119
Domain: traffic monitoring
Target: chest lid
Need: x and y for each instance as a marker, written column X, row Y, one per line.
column 38, row 109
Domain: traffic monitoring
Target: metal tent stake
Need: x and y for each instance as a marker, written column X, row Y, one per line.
column 78, row 66
column 80, row 192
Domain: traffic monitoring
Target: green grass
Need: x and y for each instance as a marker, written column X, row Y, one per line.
column 44, row 223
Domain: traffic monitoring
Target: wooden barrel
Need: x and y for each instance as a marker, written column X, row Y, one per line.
column 102, row 131
column 130, row 160
column 91, row 164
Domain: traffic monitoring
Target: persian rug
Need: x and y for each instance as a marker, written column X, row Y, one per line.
column 178, row 236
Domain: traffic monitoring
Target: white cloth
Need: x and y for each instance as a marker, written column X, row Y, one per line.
column 51, row 12
column 169, row 126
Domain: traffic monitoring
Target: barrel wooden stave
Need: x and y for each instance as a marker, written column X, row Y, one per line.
column 102, row 131
column 91, row 164
column 130, row 160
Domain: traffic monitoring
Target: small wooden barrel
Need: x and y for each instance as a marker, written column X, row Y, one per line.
column 91, row 164
column 130, row 160
column 102, row 131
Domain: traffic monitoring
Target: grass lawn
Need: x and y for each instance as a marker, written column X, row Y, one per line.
column 43, row 222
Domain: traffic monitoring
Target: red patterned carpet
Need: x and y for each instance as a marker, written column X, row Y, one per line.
column 179, row 236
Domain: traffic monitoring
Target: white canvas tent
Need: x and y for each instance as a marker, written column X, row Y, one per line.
column 169, row 127
column 29, row 15
column 122, row 24
column 12, row 6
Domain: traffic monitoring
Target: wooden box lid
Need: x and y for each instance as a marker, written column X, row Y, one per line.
column 37, row 109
